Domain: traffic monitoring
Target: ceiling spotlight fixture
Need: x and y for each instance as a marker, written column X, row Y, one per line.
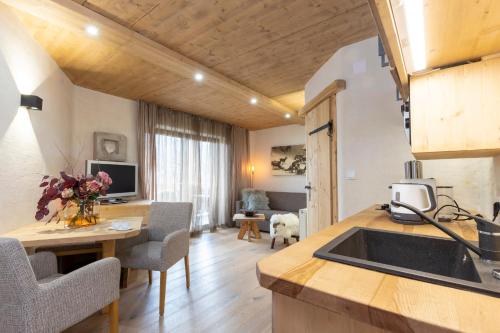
column 198, row 77
column 253, row 100
column 288, row 116
column 92, row 30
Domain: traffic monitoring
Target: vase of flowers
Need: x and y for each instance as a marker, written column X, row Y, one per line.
column 77, row 196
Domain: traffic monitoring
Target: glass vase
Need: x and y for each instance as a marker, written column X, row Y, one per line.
column 83, row 214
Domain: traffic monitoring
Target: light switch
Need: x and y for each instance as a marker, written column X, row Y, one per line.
column 350, row 174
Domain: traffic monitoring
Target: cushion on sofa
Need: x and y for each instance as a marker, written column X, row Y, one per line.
column 245, row 193
column 254, row 199
column 258, row 200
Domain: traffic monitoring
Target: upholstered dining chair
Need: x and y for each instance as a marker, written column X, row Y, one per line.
column 161, row 244
column 35, row 298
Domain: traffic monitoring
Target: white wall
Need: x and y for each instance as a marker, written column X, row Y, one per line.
column 32, row 143
column 371, row 140
column 98, row 112
column 261, row 142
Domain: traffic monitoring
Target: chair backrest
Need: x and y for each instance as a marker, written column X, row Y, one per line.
column 17, row 279
column 167, row 217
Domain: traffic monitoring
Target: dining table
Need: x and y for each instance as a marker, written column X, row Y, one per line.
column 41, row 234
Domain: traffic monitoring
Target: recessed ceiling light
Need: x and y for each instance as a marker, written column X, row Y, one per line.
column 288, row 116
column 198, row 77
column 92, row 30
column 253, row 100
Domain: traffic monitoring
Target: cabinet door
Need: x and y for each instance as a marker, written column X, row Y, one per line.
column 319, row 173
column 455, row 111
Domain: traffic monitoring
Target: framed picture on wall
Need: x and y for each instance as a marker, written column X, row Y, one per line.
column 288, row 160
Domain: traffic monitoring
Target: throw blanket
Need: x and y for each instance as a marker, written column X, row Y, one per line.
column 286, row 225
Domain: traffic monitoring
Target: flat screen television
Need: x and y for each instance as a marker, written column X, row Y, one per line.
column 124, row 176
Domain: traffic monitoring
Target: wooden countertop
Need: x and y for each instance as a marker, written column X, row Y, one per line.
column 386, row 301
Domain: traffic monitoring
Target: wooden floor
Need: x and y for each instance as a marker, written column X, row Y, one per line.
column 224, row 296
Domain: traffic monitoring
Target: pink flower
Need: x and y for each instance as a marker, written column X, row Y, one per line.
column 67, row 193
column 105, row 178
column 93, row 186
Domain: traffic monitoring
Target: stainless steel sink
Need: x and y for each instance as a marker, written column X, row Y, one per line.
column 432, row 259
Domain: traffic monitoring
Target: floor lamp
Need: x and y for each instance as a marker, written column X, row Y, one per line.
column 252, row 171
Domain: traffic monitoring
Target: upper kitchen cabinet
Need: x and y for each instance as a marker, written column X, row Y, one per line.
column 455, row 112
column 443, row 55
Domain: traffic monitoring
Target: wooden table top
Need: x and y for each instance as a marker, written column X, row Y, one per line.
column 43, row 234
column 242, row 217
column 386, row 301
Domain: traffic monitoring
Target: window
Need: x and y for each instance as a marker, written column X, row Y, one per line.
column 194, row 168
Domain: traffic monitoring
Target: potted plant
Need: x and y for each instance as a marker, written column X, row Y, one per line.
column 77, row 195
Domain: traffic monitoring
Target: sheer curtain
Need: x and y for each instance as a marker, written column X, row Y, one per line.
column 240, row 165
column 192, row 163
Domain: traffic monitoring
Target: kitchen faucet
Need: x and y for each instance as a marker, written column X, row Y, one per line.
column 489, row 233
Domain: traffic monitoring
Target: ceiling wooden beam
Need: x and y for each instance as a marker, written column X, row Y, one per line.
column 70, row 15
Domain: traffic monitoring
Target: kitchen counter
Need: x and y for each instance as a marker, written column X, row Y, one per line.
column 311, row 294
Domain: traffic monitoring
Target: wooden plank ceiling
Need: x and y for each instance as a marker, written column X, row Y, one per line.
column 266, row 48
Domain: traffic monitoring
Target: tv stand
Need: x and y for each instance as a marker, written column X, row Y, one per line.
column 131, row 208
column 113, row 201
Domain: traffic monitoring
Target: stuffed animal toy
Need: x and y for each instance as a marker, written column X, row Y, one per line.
column 284, row 225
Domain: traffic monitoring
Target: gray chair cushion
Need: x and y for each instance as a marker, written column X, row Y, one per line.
column 164, row 242
column 143, row 256
column 167, row 217
column 34, row 298
column 50, row 278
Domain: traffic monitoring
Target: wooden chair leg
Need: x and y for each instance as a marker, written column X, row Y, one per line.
column 113, row 317
column 163, row 288
column 150, row 276
column 272, row 243
column 186, row 268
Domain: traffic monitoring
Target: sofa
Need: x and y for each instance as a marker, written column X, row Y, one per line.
column 279, row 203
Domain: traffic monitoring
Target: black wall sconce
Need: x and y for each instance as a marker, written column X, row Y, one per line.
column 32, row 102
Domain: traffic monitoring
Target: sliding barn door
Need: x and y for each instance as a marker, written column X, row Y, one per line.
column 321, row 167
